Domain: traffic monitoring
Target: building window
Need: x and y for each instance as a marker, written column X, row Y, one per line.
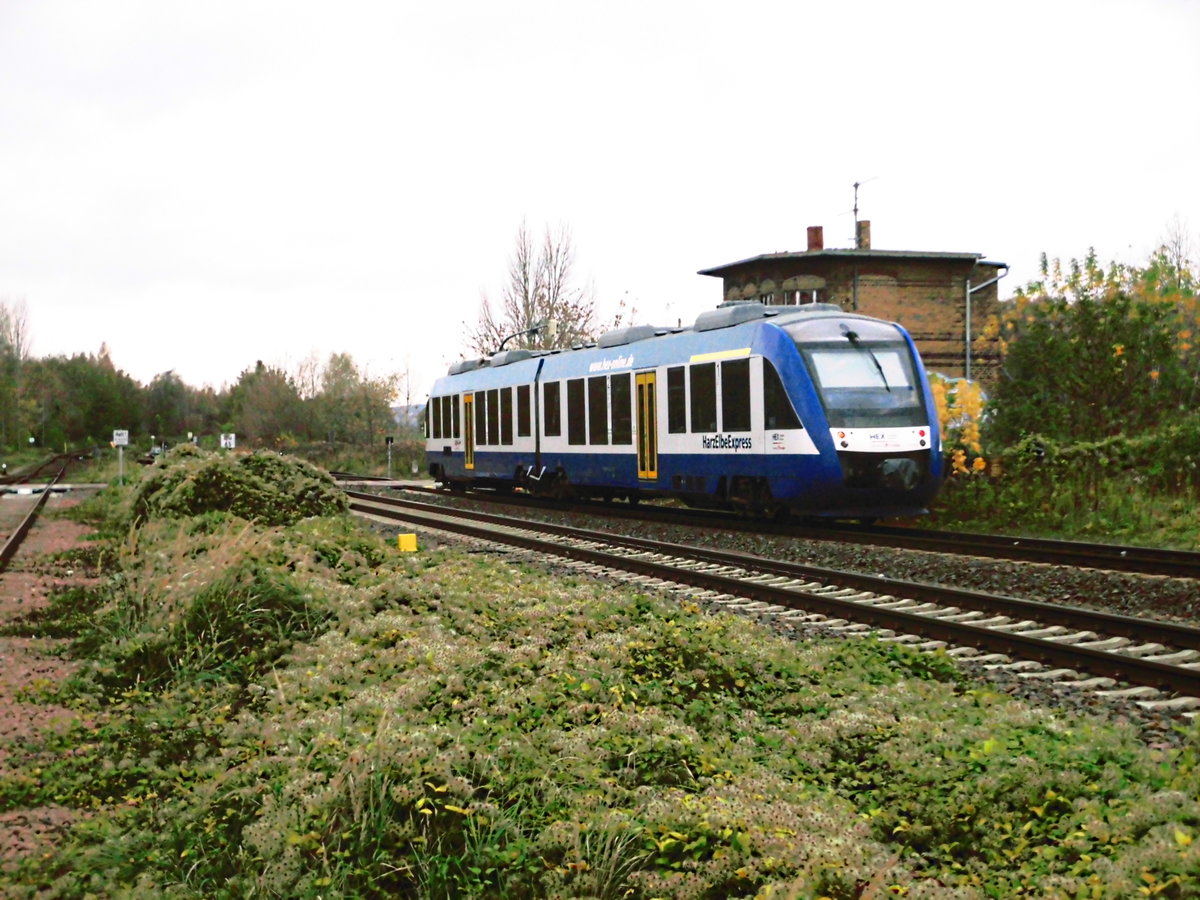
column 576, row 414
column 622, row 410
column 735, row 395
column 704, row 397
column 552, row 409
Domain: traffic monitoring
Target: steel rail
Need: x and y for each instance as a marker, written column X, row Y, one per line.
column 9, row 550
column 1113, row 557
column 1129, row 669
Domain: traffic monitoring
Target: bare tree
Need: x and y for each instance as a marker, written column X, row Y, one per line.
column 1178, row 248
column 14, row 351
column 542, row 287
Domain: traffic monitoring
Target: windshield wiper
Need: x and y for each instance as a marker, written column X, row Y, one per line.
column 852, row 336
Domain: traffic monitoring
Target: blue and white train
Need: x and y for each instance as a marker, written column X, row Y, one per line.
column 775, row 410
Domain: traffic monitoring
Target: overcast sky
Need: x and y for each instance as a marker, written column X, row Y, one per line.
column 203, row 185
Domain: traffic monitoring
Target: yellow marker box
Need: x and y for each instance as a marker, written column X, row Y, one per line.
column 407, row 543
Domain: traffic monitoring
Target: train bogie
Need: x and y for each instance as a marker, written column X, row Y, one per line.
column 802, row 409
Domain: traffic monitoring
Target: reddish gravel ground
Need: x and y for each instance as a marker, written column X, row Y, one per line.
column 32, row 662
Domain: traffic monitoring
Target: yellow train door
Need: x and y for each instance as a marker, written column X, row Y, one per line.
column 647, row 419
column 469, row 430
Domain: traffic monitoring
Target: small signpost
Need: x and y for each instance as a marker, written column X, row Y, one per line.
column 228, row 441
column 388, row 440
column 120, row 441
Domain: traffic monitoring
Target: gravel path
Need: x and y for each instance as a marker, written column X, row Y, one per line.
column 29, row 663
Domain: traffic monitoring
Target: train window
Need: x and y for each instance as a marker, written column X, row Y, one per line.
column 597, row 391
column 576, row 420
column 493, row 416
column 552, row 409
column 429, row 421
column 704, row 397
column 479, row 407
column 622, row 410
column 506, row 416
column 447, row 405
column 676, row 401
column 437, row 417
column 777, row 407
column 735, row 395
column 523, row 417
column 454, row 406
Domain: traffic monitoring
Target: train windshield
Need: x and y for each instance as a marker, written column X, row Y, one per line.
column 865, row 385
column 863, row 371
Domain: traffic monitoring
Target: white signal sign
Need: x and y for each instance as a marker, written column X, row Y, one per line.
column 120, row 438
column 228, row 441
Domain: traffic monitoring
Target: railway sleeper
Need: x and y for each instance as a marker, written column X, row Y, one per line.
column 1179, row 656
column 1021, row 665
column 1088, row 684
column 1021, row 626
column 1144, row 649
column 973, row 616
column 1073, row 638
column 1112, row 643
column 906, row 605
column 1131, row 693
column 1051, row 675
column 1171, row 704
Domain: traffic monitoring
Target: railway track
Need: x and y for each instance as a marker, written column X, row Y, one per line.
column 18, row 534
column 1139, row 659
column 1113, row 557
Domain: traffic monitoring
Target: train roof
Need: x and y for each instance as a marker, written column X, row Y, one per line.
column 727, row 315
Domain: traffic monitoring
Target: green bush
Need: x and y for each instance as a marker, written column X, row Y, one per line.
column 262, row 487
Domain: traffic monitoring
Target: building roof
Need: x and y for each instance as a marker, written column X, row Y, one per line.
column 789, row 256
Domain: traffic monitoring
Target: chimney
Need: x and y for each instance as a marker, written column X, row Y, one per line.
column 862, row 240
column 816, row 238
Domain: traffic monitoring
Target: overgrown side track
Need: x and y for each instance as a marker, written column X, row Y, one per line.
column 1135, row 651
column 13, row 542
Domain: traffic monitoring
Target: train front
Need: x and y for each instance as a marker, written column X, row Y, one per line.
column 880, row 414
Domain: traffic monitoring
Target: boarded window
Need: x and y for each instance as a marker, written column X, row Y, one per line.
column 676, row 400
column 506, row 416
column 777, row 407
column 597, row 390
column 552, row 408
column 523, row 417
column 735, row 395
column 622, row 410
column 704, row 397
column 576, row 418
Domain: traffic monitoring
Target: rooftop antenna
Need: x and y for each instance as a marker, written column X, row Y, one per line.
column 857, row 185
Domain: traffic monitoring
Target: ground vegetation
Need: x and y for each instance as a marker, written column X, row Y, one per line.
column 300, row 710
